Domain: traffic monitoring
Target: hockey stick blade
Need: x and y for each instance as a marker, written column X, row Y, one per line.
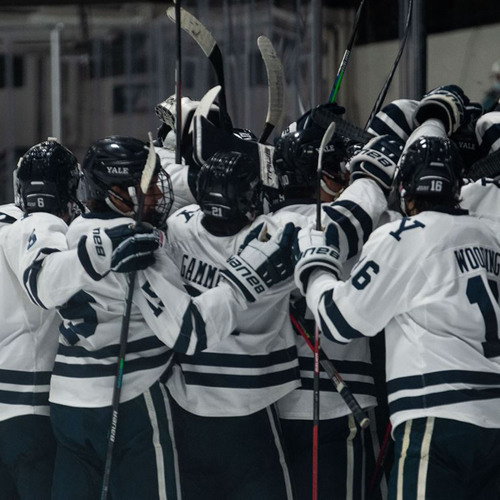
column 275, row 79
column 149, row 168
column 205, row 104
column 200, row 34
column 324, row 141
column 196, row 30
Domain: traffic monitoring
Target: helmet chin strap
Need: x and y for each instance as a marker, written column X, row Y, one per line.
column 130, row 203
column 402, row 203
column 329, row 191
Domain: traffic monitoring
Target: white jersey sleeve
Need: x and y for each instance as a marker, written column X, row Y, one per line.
column 396, row 119
column 38, row 236
column 186, row 324
column 356, row 213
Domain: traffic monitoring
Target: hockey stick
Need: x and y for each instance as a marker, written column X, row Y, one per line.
column 147, row 175
column 385, row 87
column 200, row 34
column 275, row 84
column 315, row 441
column 378, row 471
column 178, row 85
column 338, row 382
column 347, row 53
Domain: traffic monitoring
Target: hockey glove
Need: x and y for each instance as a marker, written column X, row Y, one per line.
column 314, row 249
column 377, row 160
column 445, row 103
column 261, row 264
column 123, row 249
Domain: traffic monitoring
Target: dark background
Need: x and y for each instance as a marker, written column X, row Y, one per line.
column 380, row 17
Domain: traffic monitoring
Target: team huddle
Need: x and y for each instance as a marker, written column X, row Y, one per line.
column 158, row 338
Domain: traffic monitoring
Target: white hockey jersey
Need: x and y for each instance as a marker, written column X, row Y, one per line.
column 482, row 199
column 357, row 211
column 432, row 282
column 29, row 334
column 257, row 364
column 162, row 317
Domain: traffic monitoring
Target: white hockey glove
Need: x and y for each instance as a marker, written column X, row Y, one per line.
column 261, row 264
column 377, row 160
column 122, row 249
column 314, row 249
column 446, row 103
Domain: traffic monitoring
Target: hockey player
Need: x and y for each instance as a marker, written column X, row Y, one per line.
column 346, row 453
column 225, row 420
column 92, row 310
column 447, row 112
column 49, row 176
column 430, row 281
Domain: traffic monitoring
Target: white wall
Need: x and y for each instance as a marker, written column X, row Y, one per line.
column 462, row 57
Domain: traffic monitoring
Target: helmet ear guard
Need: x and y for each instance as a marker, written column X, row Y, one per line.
column 41, row 197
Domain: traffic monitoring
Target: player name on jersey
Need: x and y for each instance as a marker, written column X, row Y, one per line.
column 474, row 257
column 199, row 272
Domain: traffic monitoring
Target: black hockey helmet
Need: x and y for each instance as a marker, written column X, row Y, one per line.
column 118, row 162
column 46, row 179
column 296, row 158
column 229, row 187
column 431, row 168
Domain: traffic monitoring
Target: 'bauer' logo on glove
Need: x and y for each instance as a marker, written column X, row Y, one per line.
column 260, row 265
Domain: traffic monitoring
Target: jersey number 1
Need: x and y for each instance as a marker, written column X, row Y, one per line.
column 477, row 293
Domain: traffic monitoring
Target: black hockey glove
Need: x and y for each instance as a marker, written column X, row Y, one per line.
column 446, row 103
column 261, row 262
column 314, row 249
column 377, row 160
column 122, row 249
